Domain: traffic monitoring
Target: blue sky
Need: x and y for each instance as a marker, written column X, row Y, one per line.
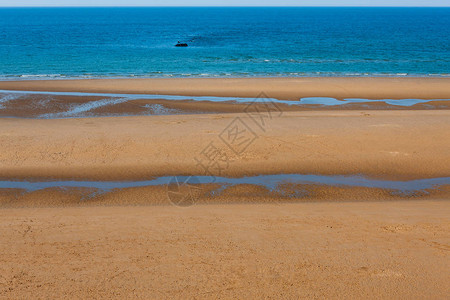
column 224, row 2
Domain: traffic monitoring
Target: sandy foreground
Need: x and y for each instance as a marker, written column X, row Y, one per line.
column 246, row 242
column 390, row 250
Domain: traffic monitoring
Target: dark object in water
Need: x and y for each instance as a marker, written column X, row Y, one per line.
column 181, row 44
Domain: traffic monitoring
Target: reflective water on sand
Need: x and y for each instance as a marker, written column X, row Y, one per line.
column 271, row 182
column 111, row 99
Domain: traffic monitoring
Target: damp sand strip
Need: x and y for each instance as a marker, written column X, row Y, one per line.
column 324, row 101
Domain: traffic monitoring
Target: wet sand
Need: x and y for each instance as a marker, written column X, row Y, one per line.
column 312, row 250
column 45, row 106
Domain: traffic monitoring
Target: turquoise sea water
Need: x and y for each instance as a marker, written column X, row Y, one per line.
column 223, row 42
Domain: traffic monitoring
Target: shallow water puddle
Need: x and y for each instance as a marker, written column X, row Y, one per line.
column 109, row 99
column 271, row 182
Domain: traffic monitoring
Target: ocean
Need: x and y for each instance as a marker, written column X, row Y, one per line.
column 223, row 42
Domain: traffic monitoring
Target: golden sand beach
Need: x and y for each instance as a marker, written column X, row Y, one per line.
column 310, row 250
column 330, row 241
column 281, row 88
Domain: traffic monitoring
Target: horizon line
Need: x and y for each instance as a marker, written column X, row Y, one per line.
column 222, row 6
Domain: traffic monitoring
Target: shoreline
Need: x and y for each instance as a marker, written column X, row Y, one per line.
column 289, row 88
column 280, row 153
column 32, row 77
